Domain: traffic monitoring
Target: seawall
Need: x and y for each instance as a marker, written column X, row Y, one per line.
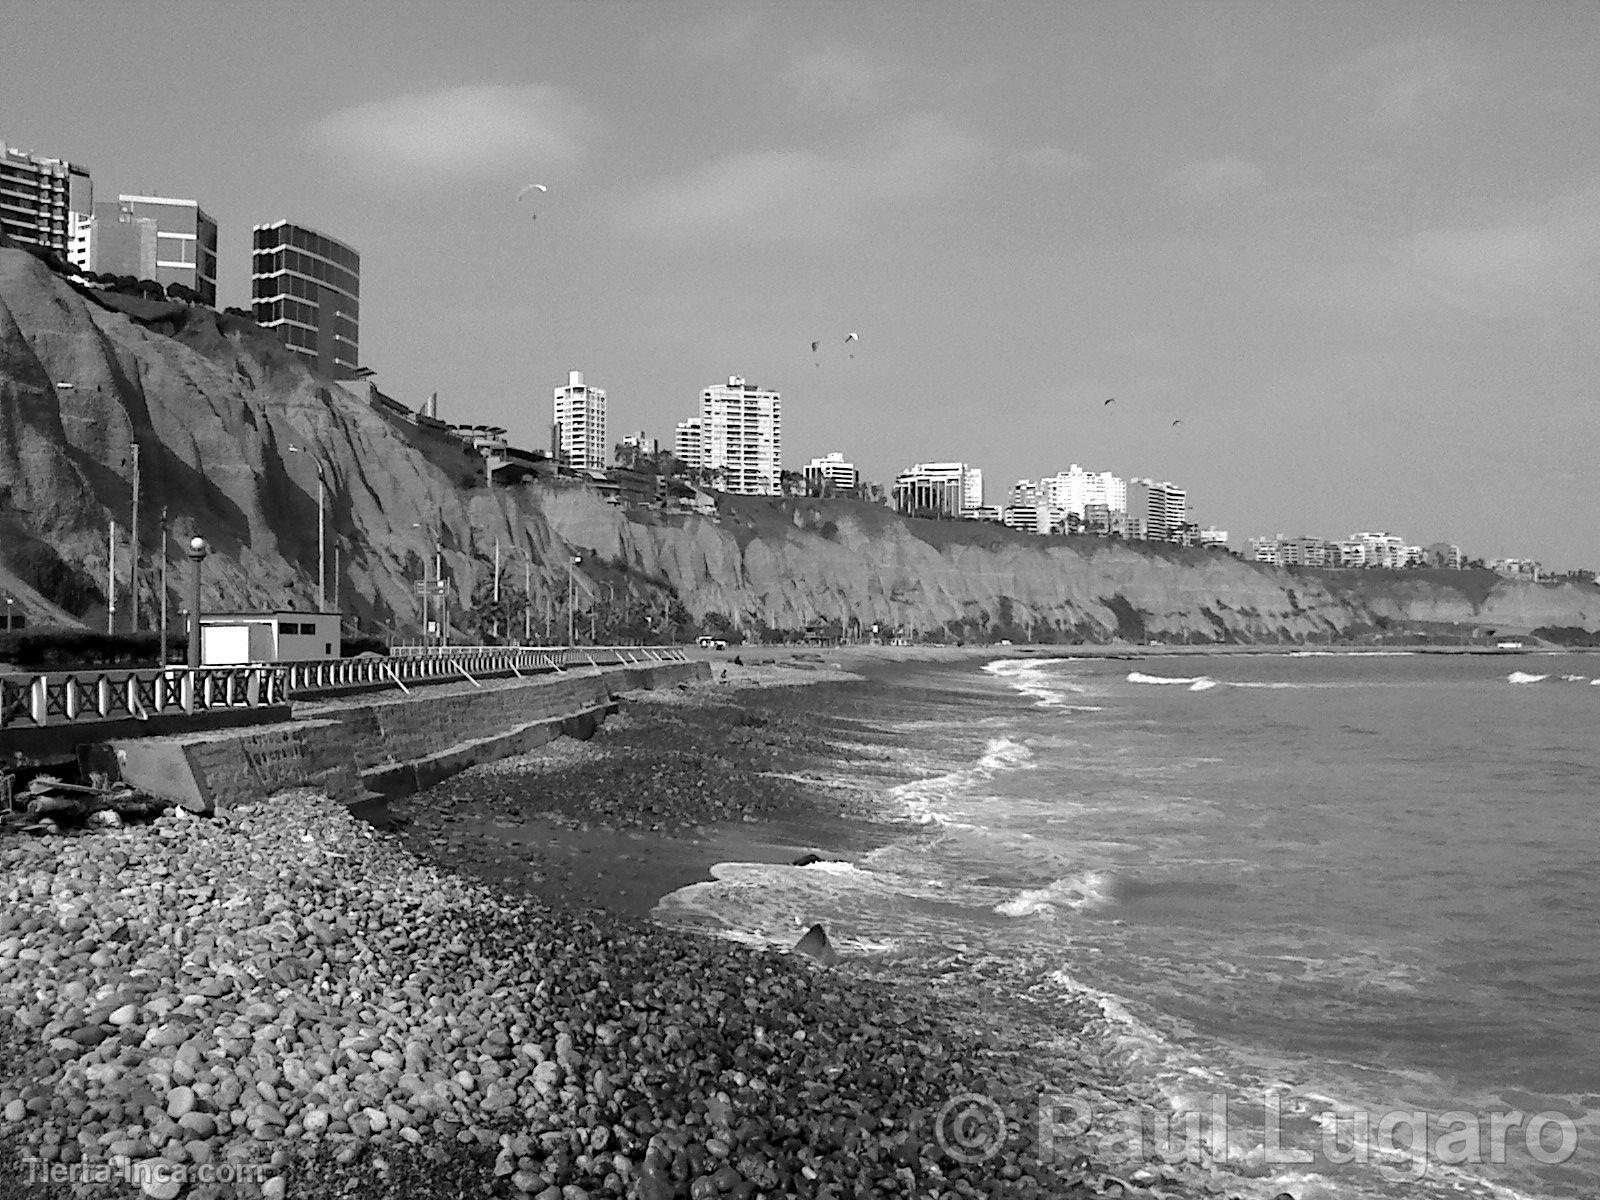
column 357, row 750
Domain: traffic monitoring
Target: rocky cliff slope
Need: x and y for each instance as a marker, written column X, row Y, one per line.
column 215, row 405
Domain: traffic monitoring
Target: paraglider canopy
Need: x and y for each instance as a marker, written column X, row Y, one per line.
column 530, row 188
column 851, row 337
column 1113, row 400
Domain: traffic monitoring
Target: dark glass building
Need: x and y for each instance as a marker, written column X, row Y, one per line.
column 307, row 287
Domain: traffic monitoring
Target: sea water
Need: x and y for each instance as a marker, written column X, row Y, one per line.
column 1344, row 906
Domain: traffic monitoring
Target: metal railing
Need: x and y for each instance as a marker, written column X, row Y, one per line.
column 600, row 656
column 85, row 696
column 324, row 676
column 81, row 697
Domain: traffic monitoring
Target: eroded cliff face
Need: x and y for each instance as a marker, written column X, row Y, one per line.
column 215, row 405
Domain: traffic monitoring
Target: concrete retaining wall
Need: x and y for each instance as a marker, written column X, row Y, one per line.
column 392, row 747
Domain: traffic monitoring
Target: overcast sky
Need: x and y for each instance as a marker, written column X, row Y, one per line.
column 1354, row 248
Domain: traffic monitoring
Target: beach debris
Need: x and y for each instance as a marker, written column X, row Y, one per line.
column 815, row 944
column 50, row 802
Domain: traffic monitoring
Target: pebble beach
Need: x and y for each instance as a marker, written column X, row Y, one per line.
column 285, row 1001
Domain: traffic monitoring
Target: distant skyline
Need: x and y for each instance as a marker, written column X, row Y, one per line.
column 1354, row 248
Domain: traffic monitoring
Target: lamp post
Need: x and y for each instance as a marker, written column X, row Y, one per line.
column 322, row 537
column 197, row 555
column 438, row 582
column 571, row 636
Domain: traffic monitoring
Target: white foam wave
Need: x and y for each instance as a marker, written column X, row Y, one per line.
column 1048, row 689
column 1524, row 677
column 1195, row 683
column 1088, row 890
column 920, row 799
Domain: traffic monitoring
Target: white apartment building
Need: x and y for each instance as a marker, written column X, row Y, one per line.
column 1073, row 488
column 1155, row 510
column 43, row 201
column 687, row 444
column 1380, row 549
column 741, row 435
column 948, row 488
column 1211, row 536
column 832, row 474
column 580, row 415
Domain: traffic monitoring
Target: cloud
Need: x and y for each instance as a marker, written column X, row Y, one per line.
column 432, row 135
column 834, row 78
column 1546, row 258
column 1216, row 180
column 1409, row 83
column 778, row 194
column 1053, row 160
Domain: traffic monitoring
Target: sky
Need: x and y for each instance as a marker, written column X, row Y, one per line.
column 1354, row 249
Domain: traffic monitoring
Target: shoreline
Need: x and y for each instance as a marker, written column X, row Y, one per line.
column 360, row 1015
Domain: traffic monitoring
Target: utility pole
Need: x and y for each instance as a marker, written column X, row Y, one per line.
column 133, row 570
column 527, row 602
column 497, row 587
column 163, row 585
column 111, row 581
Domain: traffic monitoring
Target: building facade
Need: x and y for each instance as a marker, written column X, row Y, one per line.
column 832, row 476
column 947, row 489
column 43, row 201
column 688, row 444
column 741, row 431
column 1074, row 489
column 306, row 287
column 1155, row 510
column 642, row 445
column 153, row 237
column 580, row 415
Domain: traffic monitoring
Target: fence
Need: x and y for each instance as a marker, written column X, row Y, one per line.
column 82, row 697
column 79, row 697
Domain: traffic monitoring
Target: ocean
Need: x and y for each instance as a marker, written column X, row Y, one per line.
column 1341, row 910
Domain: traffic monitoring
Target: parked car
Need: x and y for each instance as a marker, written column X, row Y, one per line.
column 707, row 642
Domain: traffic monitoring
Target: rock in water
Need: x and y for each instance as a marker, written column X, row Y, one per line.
column 815, row 943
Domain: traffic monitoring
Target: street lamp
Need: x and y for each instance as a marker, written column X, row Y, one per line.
column 322, row 555
column 571, row 637
column 438, row 582
column 197, row 555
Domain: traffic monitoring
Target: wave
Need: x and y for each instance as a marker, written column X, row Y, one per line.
column 1524, row 677
column 1351, row 653
column 1196, row 683
column 1088, row 890
column 919, row 797
column 1048, row 689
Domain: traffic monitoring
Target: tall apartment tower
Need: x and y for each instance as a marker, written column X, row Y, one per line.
column 1155, row 510
column 306, row 286
column 741, row 431
column 581, row 417
column 43, row 201
column 688, row 446
column 153, row 237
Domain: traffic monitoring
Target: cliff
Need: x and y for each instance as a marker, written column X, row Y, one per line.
column 214, row 404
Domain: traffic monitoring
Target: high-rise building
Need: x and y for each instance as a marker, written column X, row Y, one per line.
column 580, row 412
column 307, row 287
column 153, row 237
column 43, row 201
column 1072, row 489
column 741, row 431
column 688, row 446
column 832, row 476
column 1155, row 510
column 945, row 489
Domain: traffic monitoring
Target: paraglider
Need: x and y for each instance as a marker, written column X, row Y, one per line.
column 1175, row 424
column 530, row 188
column 852, row 337
column 814, row 346
column 1113, row 400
